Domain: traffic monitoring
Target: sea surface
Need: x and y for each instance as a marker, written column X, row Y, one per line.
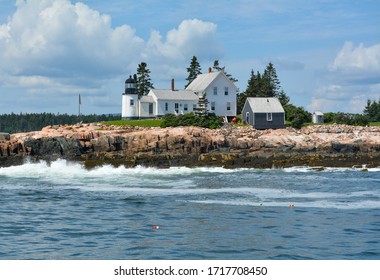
column 63, row 211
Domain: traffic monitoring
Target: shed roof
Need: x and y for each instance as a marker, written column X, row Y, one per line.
column 167, row 94
column 265, row 105
column 318, row 113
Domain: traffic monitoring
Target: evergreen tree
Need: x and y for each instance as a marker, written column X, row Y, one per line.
column 265, row 85
column 372, row 110
column 202, row 108
column 194, row 70
column 271, row 85
column 143, row 81
column 284, row 99
column 216, row 67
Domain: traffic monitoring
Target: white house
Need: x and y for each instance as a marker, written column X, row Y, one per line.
column 220, row 92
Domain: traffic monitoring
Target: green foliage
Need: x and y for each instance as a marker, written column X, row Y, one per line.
column 263, row 85
column 201, row 109
column 210, row 121
column 194, row 70
column 372, row 110
column 13, row 123
column 141, row 123
column 296, row 116
column 143, row 81
column 346, row 118
column 218, row 68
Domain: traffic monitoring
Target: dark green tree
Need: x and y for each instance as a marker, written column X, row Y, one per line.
column 194, row 70
column 284, row 99
column 263, row 85
column 202, row 108
column 372, row 110
column 297, row 116
column 143, row 81
column 217, row 67
column 271, row 84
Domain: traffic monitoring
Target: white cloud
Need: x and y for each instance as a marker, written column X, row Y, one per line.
column 359, row 59
column 57, row 47
column 352, row 78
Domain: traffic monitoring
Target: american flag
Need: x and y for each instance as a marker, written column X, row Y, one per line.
column 80, row 100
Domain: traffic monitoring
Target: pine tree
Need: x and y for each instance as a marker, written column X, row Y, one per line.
column 194, row 70
column 216, row 67
column 284, row 99
column 372, row 110
column 271, row 85
column 202, row 108
column 143, row 82
column 265, row 85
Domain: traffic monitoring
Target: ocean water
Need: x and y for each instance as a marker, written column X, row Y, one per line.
column 63, row 211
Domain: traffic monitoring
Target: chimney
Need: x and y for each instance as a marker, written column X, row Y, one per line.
column 172, row 84
column 209, row 70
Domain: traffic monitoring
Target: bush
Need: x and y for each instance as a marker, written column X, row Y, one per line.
column 210, row 121
column 296, row 116
column 345, row 118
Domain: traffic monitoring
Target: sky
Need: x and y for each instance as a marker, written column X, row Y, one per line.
column 326, row 52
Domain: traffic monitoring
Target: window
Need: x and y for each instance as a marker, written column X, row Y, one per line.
column 228, row 106
column 150, row 108
column 131, row 102
column 166, row 106
column 212, row 106
column 269, row 117
column 215, row 90
column 185, row 107
column 176, row 107
column 194, row 107
column 226, row 91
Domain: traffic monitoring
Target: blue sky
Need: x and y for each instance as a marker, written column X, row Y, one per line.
column 326, row 52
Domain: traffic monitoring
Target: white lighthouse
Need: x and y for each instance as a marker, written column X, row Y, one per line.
column 130, row 100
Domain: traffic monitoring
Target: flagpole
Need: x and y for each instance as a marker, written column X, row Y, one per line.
column 79, row 103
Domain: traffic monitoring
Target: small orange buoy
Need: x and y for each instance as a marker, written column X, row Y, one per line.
column 155, row 227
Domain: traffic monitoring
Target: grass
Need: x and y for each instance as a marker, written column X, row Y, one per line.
column 374, row 123
column 142, row 123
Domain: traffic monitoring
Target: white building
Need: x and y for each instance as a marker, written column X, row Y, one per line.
column 318, row 117
column 220, row 92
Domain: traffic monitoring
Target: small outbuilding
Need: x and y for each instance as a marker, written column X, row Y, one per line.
column 318, row 117
column 264, row 112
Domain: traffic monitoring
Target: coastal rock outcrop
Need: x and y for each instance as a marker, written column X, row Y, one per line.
column 327, row 145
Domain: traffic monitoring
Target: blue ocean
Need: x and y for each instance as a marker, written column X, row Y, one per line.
column 61, row 210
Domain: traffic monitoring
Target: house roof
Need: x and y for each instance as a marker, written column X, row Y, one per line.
column 146, row 99
column 203, row 81
column 167, row 94
column 265, row 105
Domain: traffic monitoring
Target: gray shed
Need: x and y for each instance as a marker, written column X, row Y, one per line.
column 264, row 112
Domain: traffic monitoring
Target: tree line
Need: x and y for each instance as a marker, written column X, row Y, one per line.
column 14, row 123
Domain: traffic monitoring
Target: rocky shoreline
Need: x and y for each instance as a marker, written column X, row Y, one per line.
column 230, row 147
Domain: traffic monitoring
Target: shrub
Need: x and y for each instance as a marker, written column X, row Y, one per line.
column 210, row 121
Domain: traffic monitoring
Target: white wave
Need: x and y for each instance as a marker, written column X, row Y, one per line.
column 306, row 169
column 366, row 204
column 71, row 169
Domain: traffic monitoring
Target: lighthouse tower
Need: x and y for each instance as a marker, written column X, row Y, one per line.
column 130, row 100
